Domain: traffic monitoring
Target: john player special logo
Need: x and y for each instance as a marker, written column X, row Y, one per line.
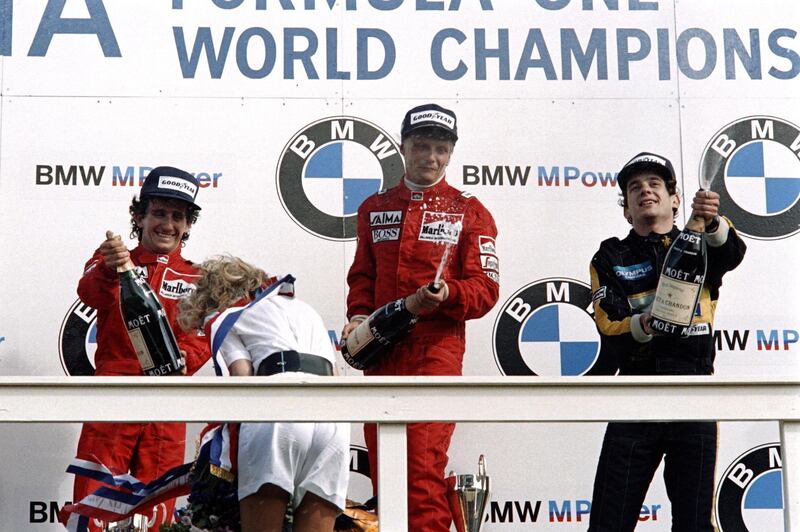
column 329, row 168
column 546, row 328
column 755, row 166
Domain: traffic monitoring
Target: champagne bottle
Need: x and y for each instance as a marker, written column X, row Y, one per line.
column 377, row 334
column 681, row 281
column 148, row 328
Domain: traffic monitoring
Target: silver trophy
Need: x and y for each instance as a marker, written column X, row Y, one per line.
column 469, row 498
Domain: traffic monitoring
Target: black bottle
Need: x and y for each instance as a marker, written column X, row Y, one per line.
column 377, row 334
column 148, row 328
column 681, row 281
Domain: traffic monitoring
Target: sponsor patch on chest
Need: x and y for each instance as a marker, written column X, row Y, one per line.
column 382, row 235
column 634, row 272
column 440, row 227
column 379, row 218
column 176, row 285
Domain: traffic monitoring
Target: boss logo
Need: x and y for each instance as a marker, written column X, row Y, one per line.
column 383, row 235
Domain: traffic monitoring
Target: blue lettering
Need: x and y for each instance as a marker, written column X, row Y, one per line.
column 663, row 40
column 535, row 40
column 363, row 35
column 624, row 55
column 52, row 23
column 332, row 45
column 612, row 5
column 559, row 515
column 732, row 44
column 118, row 179
column 482, row 53
column 571, row 48
column 768, row 343
column 582, row 507
column 789, row 337
column 304, row 56
column 553, row 5
column 380, row 5
column 548, row 180
column 6, row 23
column 570, row 173
column 203, row 40
column 436, row 55
column 607, row 179
column 682, row 51
column 430, row 5
column 227, row 4
column 242, row 56
column 486, row 5
column 786, row 53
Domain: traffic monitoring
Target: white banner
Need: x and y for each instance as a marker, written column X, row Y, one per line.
column 552, row 97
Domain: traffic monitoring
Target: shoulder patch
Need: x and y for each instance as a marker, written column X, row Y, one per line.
column 467, row 194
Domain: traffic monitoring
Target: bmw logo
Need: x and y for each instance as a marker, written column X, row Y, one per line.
column 77, row 340
column 750, row 494
column 753, row 165
column 329, row 167
column 547, row 329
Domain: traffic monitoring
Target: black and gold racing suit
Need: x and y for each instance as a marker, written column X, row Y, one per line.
column 624, row 278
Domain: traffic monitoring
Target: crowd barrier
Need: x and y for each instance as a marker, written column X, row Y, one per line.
column 394, row 401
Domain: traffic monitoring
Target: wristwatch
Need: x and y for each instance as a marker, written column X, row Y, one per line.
column 713, row 225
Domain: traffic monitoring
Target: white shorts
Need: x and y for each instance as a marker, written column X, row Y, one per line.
column 296, row 457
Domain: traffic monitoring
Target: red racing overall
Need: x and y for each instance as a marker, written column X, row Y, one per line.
column 146, row 450
column 400, row 243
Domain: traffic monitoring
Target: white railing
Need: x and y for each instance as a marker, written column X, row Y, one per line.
column 394, row 401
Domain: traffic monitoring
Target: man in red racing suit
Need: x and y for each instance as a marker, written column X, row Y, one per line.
column 161, row 220
column 401, row 237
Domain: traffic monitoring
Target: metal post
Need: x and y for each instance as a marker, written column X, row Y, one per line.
column 790, row 457
column 392, row 477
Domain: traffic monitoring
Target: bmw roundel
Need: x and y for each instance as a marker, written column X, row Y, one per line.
column 750, row 494
column 547, row 328
column 753, row 164
column 329, row 167
column 77, row 340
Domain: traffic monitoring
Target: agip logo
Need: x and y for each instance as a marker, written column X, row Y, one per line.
column 750, row 495
column 755, row 166
column 547, row 329
column 77, row 340
column 329, row 167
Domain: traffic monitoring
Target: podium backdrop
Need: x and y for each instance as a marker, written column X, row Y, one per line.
column 552, row 97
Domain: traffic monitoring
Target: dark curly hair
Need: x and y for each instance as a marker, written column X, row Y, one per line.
column 139, row 208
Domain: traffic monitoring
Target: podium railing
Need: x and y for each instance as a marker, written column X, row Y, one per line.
column 394, row 401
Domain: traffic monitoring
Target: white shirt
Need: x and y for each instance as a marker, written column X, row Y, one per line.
column 276, row 323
